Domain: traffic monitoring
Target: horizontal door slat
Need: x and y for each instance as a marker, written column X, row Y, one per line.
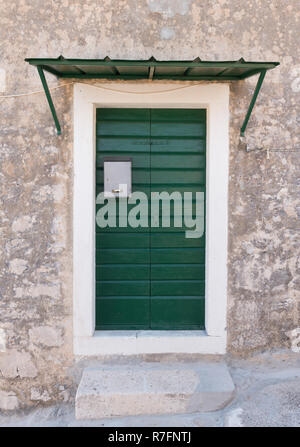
column 122, row 256
column 178, row 129
column 117, row 272
column 123, row 288
column 177, row 271
column 181, row 161
column 122, row 128
column 122, row 114
column 184, row 146
column 177, row 255
column 178, row 115
column 122, row 240
column 166, row 176
column 176, row 240
column 106, row 146
column 177, row 287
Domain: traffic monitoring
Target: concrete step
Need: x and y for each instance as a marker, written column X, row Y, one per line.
column 153, row 388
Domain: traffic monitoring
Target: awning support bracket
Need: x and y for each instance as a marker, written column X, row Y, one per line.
column 49, row 99
column 253, row 100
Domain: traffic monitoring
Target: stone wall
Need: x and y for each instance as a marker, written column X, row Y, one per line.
column 36, row 170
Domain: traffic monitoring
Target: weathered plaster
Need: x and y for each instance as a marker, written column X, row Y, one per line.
column 2, row 80
column 36, row 171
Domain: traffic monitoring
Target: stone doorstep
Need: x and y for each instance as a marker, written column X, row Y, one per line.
column 148, row 389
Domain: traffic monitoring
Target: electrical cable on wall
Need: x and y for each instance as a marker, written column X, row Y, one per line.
column 249, row 148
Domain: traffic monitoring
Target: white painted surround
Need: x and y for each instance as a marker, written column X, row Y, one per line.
column 214, row 98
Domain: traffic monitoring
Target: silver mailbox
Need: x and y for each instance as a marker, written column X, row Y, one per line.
column 117, row 176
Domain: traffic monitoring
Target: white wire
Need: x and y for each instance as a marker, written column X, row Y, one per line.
column 35, row 92
column 147, row 93
column 103, row 88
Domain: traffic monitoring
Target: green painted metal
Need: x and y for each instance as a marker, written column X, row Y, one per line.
column 107, row 62
column 133, row 77
column 253, row 100
column 49, row 99
column 151, row 278
column 195, row 70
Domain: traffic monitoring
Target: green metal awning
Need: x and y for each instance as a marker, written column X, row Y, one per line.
column 152, row 69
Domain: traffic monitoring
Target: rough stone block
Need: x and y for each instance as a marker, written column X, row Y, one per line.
column 8, row 400
column 2, row 340
column 17, row 364
column 37, row 394
column 2, row 80
column 46, row 336
column 153, row 389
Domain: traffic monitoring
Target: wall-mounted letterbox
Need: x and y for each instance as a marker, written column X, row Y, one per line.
column 117, row 176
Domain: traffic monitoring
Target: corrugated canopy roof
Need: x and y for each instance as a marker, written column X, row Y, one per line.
column 151, row 69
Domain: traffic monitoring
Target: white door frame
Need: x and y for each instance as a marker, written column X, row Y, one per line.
column 214, row 98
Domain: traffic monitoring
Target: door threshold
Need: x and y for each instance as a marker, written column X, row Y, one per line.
column 149, row 342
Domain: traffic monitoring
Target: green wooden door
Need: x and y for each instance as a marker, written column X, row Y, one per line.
column 151, row 278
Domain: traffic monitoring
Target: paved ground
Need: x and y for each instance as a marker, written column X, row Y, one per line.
column 267, row 395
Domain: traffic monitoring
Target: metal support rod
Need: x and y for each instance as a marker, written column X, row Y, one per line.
column 253, row 100
column 49, row 99
column 151, row 73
